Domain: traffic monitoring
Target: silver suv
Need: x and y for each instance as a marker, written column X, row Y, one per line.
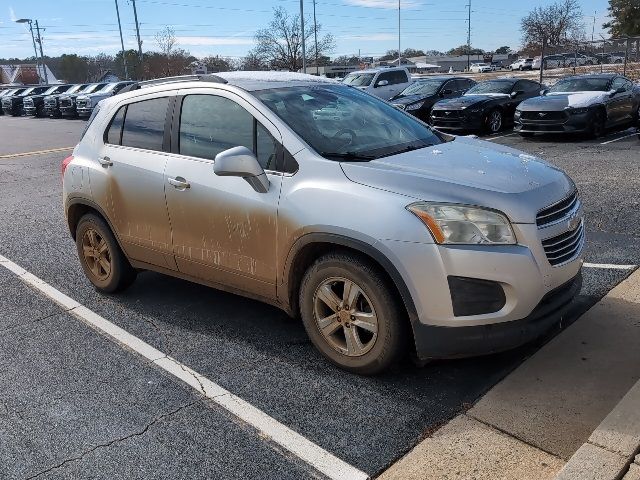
column 385, row 236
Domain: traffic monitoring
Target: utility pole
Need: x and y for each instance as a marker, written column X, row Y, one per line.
column 33, row 39
column 469, row 38
column 593, row 29
column 315, row 34
column 44, row 66
column 304, row 53
column 135, row 16
column 124, row 60
column 398, row 32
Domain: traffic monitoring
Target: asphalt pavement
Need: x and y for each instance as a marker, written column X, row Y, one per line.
column 75, row 405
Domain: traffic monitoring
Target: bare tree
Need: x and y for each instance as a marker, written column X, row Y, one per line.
column 166, row 41
column 557, row 23
column 280, row 44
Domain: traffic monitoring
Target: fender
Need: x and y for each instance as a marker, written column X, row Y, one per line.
column 91, row 204
column 358, row 245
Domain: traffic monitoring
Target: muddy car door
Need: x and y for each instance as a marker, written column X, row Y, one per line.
column 223, row 230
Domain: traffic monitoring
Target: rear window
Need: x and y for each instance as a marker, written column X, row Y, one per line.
column 144, row 124
column 113, row 135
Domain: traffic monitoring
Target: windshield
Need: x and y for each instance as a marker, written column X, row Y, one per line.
column 346, row 124
column 108, row 87
column 492, row 86
column 429, row 87
column 93, row 88
column 358, row 79
column 75, row 88
column 581, row 85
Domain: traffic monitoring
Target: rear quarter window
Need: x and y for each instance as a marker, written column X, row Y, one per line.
column 144, row 124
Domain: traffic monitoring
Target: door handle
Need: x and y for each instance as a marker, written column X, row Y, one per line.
column 105, row 162
column 179, row 183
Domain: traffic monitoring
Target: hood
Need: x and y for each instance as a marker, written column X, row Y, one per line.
column 466, row 101
column 410, row 99
column 468, row 171
column 559, row 101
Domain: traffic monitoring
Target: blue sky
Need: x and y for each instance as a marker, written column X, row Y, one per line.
column 226, row 27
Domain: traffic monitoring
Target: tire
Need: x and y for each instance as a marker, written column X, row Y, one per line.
column 494, row 121
column 598, row 124
column 374, row 300
column 94, row 235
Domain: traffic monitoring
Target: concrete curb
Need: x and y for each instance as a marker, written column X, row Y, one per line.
column 609, row 453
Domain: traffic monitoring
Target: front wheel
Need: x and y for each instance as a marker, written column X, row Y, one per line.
column 494, row 121
column 104, row 264
column 597, row 124
column 352, row 315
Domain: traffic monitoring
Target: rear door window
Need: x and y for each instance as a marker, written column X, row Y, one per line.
column 113, row 135
column 144, row 124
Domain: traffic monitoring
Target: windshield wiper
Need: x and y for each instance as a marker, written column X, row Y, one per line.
column 349, row 156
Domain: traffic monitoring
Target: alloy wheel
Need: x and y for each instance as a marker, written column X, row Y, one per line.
column 345, row 316
column 495, row 121
column 96, row 254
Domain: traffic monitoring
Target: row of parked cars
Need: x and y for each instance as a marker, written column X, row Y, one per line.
column 588, row 103
column 60, row 100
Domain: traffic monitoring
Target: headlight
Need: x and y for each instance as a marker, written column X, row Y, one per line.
column 87, row 102
column 400, row 106
column 462, row 225
column 474, row 110
column 414, row 106
column 518, row 113
column 577, row 111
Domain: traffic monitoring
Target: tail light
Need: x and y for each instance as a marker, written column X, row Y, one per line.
column 65, row 163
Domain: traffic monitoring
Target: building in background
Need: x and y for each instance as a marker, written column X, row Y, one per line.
column 25, row 74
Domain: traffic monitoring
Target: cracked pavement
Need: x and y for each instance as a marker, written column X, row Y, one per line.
column 73, row 404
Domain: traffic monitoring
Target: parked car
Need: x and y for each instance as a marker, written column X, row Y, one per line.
column 8, row 93
column 488, row 106
column 67, row 101
column 550, row 62
column 579, row 59
column 613, row 57
column 385, row 236
column 480, row 68
column 382, row 82
column 583, row 103
column 85, row 103
column 495, row 66
column 13, row 105
column 52, row 102
column 522, row 64
column 419, row 97
column 34, row 104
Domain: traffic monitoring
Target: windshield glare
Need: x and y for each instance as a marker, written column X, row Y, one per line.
column 75, row 88
column 92, row 88
column 492, row 86
column 581, row 85
column 358, row 79
column 343, row 123
column 429, row 87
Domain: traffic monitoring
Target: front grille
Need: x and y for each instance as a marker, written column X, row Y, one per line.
column 557, row 211
column 446, row 114
column 82, row 103
column 28, row 102
column 564, row 247
column 50, row 102
column 66, row 103
column 543, row 116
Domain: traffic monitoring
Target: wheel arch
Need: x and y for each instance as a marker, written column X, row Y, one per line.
column 308, row 248
column 78, row 207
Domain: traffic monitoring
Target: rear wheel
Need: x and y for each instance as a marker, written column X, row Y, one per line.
column 352, row 315
column 102, row 260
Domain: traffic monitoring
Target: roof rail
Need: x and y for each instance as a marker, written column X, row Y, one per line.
column 177, row 79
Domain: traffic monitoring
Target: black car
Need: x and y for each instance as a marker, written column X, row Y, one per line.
column 67, row 101
column 8, row 93
column 12, row 105
column 34, row 105
column 52, row 104
column 488, row 106
column 584, row 103
column 418, row 98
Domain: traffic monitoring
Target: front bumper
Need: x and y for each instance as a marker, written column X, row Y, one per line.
column 561, row 123
column 30, row 110
column 84, row 111
column 456, row 120
column 459, row 342
column 68, row 111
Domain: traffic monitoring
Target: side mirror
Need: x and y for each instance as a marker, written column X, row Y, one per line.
column 382, row 83
column 447, row 91
column 618, row 90
column 544, row 91
column 241, row 162
column 516, row 94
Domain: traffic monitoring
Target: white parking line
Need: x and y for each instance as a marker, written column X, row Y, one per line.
column 610, row 266
column 307, row 451
column 491, row 139
column 619, row 138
